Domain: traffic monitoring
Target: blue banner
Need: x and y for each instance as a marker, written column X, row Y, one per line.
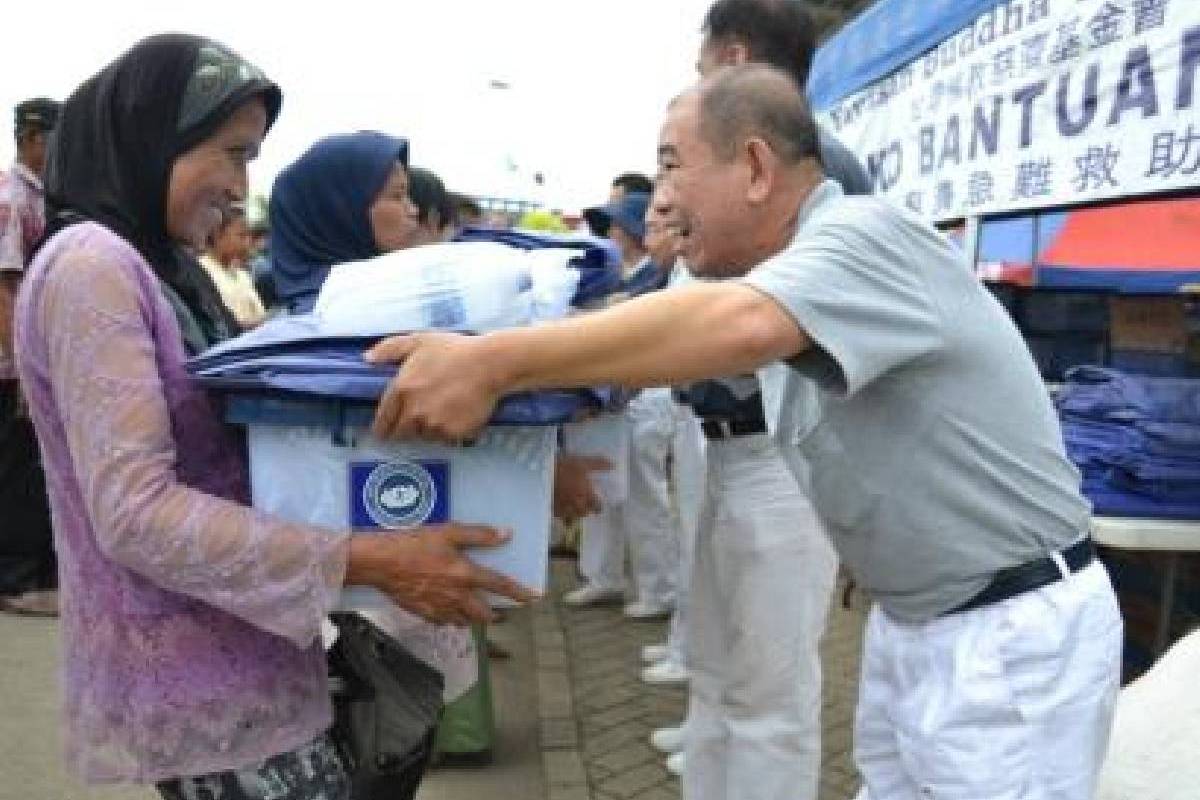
column 884, row 37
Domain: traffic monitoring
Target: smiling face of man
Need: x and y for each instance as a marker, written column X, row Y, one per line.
column 737, row 158
column 706, row 193
column 661, row 237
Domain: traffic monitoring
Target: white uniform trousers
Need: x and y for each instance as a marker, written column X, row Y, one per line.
column 645, row 522
column 687, row 451
column 1010, row 701
column 651, row 530
column 760, row 594
column 602, row 539
column 602, row 548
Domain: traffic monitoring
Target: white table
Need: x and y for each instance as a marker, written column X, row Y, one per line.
column 1171, row 536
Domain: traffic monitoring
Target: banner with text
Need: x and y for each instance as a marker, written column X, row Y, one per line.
column 1038, row 103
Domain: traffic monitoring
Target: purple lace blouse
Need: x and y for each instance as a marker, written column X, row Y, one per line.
column 190, row 622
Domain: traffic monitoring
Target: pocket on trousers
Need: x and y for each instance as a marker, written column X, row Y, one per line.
column 969, row 742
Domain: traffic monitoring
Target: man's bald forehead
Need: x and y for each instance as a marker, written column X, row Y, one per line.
column 754, row 100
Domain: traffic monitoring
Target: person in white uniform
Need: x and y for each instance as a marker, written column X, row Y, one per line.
column 992, row 652
column 782, row 735
column 644, row 522
column 763, row 574
column 667, row 662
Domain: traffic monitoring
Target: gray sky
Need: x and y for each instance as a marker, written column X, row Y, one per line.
column 589, row 81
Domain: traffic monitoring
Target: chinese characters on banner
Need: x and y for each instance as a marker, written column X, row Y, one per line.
column 1037, row 103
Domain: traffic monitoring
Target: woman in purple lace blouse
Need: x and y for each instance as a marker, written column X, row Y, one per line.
column 190, row 622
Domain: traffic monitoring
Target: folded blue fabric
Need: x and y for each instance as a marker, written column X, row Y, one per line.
column 1110, row 500
column 288, row 361
column 1158, row 477
column 1100, row 393
column 1178, row 439
column 1135, row 440
column 1089, row 439
column 257, row 407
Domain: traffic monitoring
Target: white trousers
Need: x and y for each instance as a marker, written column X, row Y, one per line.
column 644, row 523
column 760, row 591
column 1011, row 701
column 650, row 523
column 602, row 547
column 687, row 451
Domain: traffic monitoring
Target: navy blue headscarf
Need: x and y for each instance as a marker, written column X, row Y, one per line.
column 320, row 210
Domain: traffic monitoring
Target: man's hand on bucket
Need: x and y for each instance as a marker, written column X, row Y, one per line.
column 425, row 571
column 445, row 391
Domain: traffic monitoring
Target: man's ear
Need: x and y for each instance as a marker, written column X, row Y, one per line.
column 733, row 53
column 763, row 165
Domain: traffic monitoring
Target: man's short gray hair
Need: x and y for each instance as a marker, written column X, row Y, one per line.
column 755, row 100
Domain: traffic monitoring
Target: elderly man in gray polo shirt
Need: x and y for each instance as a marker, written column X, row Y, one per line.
column 992, row 654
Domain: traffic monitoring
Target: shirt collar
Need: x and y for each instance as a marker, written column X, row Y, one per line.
column 826, row 191
column 28, row 176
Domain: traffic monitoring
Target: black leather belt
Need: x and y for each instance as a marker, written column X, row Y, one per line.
column 728, row 428
column 1031, row 575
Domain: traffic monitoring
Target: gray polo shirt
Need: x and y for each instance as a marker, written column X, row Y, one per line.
column 937, row 458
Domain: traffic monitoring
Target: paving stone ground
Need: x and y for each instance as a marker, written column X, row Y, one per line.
column 596, row 715
column 32, row 768
column 573, row 717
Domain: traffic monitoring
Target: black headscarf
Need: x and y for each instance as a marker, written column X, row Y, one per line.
column 110, row 158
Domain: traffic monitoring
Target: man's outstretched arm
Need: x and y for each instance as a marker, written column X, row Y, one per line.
column 450, row 384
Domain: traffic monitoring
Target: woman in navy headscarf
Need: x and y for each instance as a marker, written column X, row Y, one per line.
column 345, row 199
column 348, row 199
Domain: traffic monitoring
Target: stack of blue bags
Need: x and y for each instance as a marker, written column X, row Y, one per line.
column 293, row 373
column 288, row 372
column 1136, row 441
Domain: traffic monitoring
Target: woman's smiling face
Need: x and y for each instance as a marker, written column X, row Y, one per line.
column 206, row 180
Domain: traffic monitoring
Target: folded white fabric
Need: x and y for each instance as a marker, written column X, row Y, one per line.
column 472, row 286
column 1152, row 751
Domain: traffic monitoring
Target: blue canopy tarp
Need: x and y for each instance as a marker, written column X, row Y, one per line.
column 883, row 38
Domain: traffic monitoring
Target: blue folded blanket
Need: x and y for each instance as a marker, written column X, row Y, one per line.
column 1100, row 393
column 278, row 370
column 1136, row 441
column 1109, row 499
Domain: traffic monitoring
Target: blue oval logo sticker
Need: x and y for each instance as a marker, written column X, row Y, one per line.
column 399, row 494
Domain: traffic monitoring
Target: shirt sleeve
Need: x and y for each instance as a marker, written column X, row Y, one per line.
column 252, row 311
column 279, row 576
column 12, row 241
column 854, row 283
